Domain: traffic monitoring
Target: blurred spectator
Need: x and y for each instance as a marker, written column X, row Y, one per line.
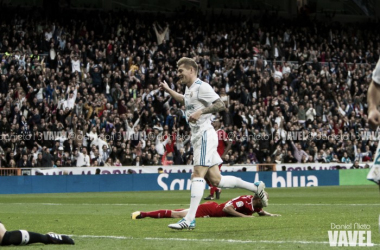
column 355, row 165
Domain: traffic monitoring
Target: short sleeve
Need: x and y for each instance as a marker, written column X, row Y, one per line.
column 207, row 94
column 238, row 203
column 243, row 205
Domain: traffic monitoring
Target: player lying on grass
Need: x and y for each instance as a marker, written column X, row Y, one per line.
column 22, row 237
column 242, row 206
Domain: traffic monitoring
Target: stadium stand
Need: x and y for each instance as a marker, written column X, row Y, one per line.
column 80, row 88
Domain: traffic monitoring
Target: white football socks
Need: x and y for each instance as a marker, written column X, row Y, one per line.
column 376, row 73
column 230, row 181
column 197, row 189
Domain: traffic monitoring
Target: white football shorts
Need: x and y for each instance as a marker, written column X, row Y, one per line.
column 205, row 149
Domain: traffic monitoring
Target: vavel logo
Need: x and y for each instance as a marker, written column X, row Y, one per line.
column 360, row 237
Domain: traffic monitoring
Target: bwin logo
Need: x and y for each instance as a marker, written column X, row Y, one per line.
column 294, row 181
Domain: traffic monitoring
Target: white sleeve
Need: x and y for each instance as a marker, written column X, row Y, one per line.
column 166, row 141
column 341, row 111
column 376, row 73
column 207, row 94
column 75, row 94
column 158, row 138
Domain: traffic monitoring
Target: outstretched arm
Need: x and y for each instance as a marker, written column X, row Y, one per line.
column 155, row 29
column 136, row 122
column 177, row 96
column 265, row 213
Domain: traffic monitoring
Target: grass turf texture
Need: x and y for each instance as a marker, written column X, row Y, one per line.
column 102, row 220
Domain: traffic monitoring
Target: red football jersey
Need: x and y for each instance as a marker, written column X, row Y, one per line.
column 222, row 137
column 169, row 147
column 242, row 204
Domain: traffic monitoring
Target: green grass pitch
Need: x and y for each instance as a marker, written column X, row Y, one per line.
column 102, row 220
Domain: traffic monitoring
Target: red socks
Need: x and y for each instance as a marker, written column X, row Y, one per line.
column 213, row 190
column 157, row 214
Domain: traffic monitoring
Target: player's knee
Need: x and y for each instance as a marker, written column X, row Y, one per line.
column 215, row 181
column 196, row 174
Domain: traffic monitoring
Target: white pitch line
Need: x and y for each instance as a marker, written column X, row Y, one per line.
column 204, row 240
column 142, row 204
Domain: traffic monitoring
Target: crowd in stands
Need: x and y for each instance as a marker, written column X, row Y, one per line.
column 80, row 88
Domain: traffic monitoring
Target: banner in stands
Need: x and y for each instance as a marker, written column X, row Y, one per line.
column 317, row 166
column 185, row 169
column 130, row 170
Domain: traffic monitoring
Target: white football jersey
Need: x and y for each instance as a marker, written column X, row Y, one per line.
column 198, row 96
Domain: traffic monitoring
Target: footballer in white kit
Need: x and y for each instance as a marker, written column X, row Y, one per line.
column 201, row 102
column 203, row 135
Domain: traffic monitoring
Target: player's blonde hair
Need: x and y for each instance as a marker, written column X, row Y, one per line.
column 187, row 63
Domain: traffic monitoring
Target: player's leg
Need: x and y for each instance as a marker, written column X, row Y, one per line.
column 202, row 160
column 230, row 181
column 201, row 157
column 179, row 213
column 218, row 180
column 212, row 191
column 197, row 189
column 217, row 189
column 22, row 237
column 213, row 188
column 159, row 214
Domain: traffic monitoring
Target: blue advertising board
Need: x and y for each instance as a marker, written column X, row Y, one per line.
column 151, row 182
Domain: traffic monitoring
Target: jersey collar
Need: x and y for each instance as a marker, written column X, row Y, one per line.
column 196, row 80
